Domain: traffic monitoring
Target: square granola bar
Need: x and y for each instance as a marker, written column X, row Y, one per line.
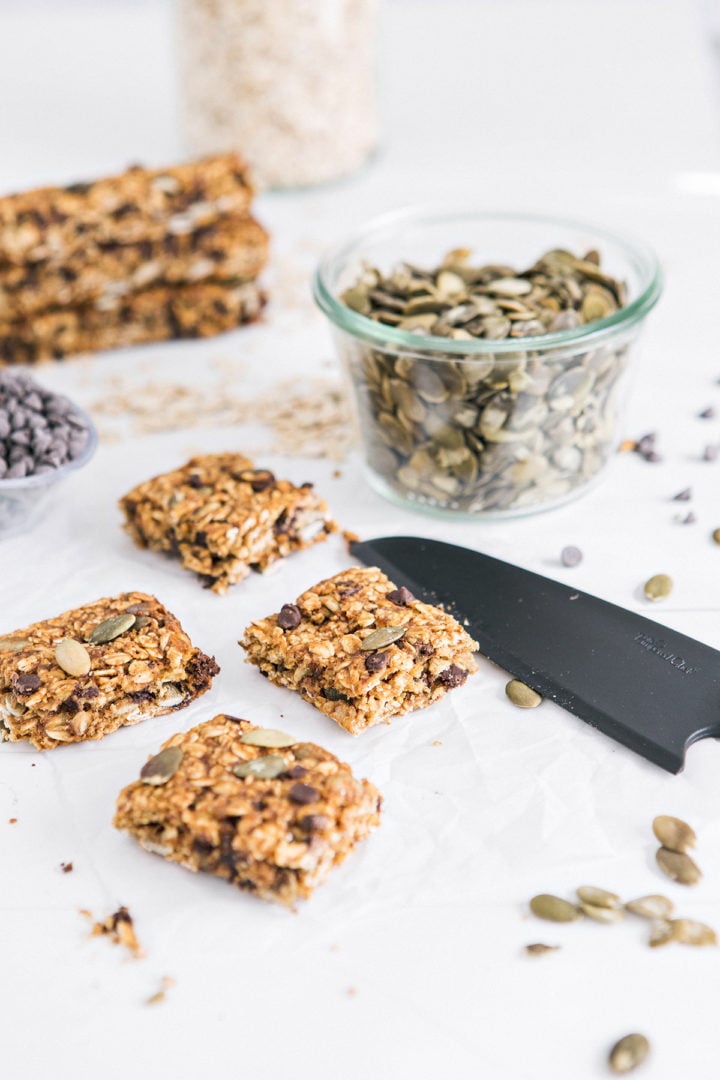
column 92, row 670
column 362, row 650
column 254, row 806
column 223, row 518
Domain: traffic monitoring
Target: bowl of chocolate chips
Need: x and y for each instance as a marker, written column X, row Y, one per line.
column 43, row 438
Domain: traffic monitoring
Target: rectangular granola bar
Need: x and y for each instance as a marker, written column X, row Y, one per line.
column 269, row 814
column 223, row 518
column 362, row 650
column 233, row 247
column 99, row 667
column 155, row 314
column 52, row 223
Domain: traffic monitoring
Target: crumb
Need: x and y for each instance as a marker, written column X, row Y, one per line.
column 350, row 537
column 160, row 994
column 119, row 928
column 335, row 948
column 627, row 445
column 12, row 821
column 351, row 991
column 337, row 474
column 437, row 742
column 66, row 867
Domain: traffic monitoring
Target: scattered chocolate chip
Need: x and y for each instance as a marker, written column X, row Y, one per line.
column 452, row 676
column 66, row 867
column 296, row 772
column 683, row 496
column 376, row 661
column 26, row 684
column 402, row 596
column 571, row 556
column 689, row 519
column 710, row 453
column 303, row 794
column 314, row 822
column 289, row 617
column 707, row 414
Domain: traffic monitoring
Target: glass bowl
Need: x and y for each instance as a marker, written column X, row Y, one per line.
column 23, row 498
column 484, row 427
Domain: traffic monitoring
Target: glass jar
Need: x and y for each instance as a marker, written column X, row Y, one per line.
column 289, row 84
column 484, row 427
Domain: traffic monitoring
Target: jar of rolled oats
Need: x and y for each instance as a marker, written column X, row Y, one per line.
column 290, row 84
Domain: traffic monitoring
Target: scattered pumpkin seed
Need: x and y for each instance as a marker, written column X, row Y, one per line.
column 554, row 908
column 716, row 536
column 651, row 907
column 590, row 894
column 522, row 695
column 673, row 833
column 111, row 628
column 602, row 914
column 678, row 866
column 268, row 738
column 72, row 657
column 538, row 949
column 160, row 768
column 658, row 587
column 384, row 635
column 11, row 644
column 692, row 932
column 628, row 1053
column 262, row 768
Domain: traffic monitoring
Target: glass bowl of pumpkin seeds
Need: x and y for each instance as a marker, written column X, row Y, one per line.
column 487, row 353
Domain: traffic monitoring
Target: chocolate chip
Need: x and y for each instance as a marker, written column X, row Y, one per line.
column 452, row 676
column 258, row 479
column 707, row 414
column 314, row 822
column 141, row 695
column 302, row 794
column 426, row 649
column 26, row 684
column 331, row 694
column 290, row 616
column 194, row 481
column 683, row 496
column 376, row 661
column 296, row 772
column 402, row 596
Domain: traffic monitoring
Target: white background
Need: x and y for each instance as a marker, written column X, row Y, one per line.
column 408, row 963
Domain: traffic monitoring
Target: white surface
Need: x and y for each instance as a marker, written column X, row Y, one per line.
column 600, row 110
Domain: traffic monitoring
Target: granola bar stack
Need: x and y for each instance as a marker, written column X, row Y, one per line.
column 143, row 256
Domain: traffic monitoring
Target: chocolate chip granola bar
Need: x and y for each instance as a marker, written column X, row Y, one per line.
column 52, row 223
column 223, row 518
column 268, row 813
column 92, row 670
column 231, row 248
column 362, row 650
column 157, row 313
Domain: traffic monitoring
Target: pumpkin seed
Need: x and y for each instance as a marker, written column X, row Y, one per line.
column 691, row 932
column 269, row 738
column 673, row 833
column 602, row 914
column 651, row 907
column 678, row 866
column 162, row 767
column 384, row 635
column 660, row 933
column 658, row 587
column 628, row 1053
column 11, row 644
column 111, row 628
column 589, row 894
column 716, row 536
column 522, row 695
column 72, row 657
column 538, row 949
column 262, row 768
column 554, row 908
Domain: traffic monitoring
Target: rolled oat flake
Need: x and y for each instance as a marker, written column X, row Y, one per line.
column 628, row 1053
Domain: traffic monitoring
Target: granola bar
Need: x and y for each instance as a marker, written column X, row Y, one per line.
column 52, row 223
column 92, row 670
column 234, row 247
column 223, row 518
column 155, row 314
column 267, row 813
column 362, row 650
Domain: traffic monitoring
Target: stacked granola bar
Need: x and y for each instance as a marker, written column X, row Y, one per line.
column 143, row 256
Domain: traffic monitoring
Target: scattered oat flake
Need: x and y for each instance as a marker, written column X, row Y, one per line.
column 119, row 928
column 160, row 995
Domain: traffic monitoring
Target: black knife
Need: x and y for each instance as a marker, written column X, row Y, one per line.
column 649, row 687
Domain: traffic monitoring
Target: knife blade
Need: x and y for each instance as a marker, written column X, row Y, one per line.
column 651, row 688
